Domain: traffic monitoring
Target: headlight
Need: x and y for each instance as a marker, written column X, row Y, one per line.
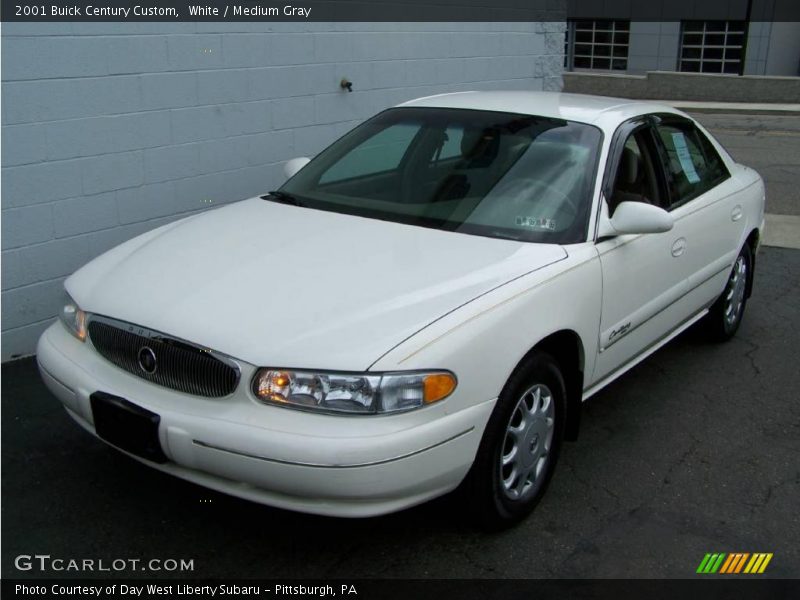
column 360, row 393
column 73, row 318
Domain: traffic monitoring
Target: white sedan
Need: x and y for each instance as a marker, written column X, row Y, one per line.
column 424, row 305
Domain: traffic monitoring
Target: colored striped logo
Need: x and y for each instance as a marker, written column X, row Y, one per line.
column 734, row 563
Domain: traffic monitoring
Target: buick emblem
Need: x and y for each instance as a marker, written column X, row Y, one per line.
column 147, row 360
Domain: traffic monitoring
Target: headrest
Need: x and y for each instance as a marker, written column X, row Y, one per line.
column 628, row 167
column 480, row 146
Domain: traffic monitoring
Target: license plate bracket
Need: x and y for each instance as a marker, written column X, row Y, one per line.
column 127, row 426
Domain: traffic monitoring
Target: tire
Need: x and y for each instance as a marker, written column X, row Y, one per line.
column 524, row 433
column 725, row 315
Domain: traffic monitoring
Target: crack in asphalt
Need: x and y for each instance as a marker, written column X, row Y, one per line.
column 754, row 347
column 755, row 507
column 680, row 461
column 771, row 488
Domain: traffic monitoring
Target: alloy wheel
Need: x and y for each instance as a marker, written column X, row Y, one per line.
column 527, row 443
column 734, row 298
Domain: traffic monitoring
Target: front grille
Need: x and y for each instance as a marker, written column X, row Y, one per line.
column 178, row 365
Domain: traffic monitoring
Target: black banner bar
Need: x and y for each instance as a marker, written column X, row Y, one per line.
column 285, row 10
column 394, row 10
column 741, row 587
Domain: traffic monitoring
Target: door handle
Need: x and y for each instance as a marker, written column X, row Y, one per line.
column 678, row 246
column 736, row 213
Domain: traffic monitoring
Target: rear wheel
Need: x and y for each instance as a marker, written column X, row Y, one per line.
column 726, row 314
column 521, row 444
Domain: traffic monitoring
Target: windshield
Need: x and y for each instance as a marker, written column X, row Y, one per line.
column 484, row 173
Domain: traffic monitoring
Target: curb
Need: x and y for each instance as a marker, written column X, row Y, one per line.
column 782, row 231
column 735, row 108
column 738, row 111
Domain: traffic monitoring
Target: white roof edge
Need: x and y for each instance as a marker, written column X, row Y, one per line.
column 407, row 102
column 601, row 111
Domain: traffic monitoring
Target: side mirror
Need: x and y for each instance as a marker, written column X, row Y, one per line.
column 633, row 218
column 293, row 166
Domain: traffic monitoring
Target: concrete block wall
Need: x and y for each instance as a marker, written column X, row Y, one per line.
column 703, row 87
column 112, row 129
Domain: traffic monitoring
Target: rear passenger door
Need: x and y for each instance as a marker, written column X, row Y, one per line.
column 704, row 202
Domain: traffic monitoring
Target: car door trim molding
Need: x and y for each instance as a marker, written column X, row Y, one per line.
column 649, row 350
column 642, row 315
column 611, row 336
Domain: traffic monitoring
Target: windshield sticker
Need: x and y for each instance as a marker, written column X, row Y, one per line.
column 536, row 223
column 684, row 157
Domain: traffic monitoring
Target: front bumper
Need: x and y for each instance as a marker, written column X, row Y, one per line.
column 333, row 465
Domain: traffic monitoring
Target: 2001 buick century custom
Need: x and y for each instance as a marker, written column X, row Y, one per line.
column 424, row 304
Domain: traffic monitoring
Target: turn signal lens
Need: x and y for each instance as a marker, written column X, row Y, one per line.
column 73, row 318
column 438, row 387
column 273, row 385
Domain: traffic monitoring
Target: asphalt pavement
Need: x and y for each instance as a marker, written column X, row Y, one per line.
column 768, row 143
column 696, row 450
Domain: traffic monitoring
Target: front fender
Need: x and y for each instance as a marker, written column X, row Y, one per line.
column 483, row 341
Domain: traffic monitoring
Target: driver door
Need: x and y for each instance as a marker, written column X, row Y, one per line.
column 642, row 274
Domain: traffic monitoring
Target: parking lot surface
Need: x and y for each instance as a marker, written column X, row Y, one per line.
column 694, row 451
column 768, row 143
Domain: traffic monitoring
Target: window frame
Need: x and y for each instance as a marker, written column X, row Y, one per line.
column 571, row 41
column 741, row 28
column 623, row 131
column 679, row 122
column 628, row 128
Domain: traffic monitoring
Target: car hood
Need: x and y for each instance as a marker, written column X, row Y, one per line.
column 286, row 286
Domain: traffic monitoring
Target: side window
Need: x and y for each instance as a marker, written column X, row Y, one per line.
column 635, row 179
column 693, row 165
column 378, row 154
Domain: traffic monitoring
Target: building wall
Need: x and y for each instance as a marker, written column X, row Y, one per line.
column 653, row 46
column 112, row 129
column 772, row 48
column 783, row 53
column 693, row 87
column 773, row 41
column 758, row 42
column 675, row 10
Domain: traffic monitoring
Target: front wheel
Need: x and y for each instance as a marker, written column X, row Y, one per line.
column 726, row 313
column 521, row 444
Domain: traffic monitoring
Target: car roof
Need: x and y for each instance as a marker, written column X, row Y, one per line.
column 605, row 112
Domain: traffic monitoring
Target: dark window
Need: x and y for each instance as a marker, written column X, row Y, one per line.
column 594, row 43
column 693, row 164
column 636, row 179
column 712, row 46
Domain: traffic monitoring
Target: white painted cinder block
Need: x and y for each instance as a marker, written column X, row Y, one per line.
column 113, row 129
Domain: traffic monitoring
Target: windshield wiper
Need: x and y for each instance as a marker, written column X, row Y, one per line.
column 283, row 197
column 505, row 235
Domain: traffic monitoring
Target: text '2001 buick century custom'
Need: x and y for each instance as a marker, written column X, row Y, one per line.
column 422, row 307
